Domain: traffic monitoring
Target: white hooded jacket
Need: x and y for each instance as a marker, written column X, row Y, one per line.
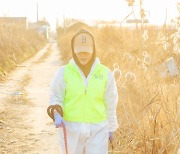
column 58, row 87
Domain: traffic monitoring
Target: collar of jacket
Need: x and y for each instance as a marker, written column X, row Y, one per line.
column 96, row 61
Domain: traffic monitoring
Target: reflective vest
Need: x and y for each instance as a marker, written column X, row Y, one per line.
column 85, row 103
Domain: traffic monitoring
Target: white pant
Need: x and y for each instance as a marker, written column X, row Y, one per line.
column 85, row 138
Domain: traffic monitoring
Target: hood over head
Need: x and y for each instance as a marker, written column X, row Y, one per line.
column 83, row 41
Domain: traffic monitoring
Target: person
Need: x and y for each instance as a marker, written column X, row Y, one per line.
column 86, row 91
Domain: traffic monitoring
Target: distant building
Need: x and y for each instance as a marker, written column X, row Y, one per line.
column 35, row 25
column 42, row 27
column 138, row 21
column 20, row 22
column 132, row 23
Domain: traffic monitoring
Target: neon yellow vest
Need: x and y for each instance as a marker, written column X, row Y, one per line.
column 85, row 104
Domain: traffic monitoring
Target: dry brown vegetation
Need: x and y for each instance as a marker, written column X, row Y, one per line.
column 16, row 45
column 149, row 105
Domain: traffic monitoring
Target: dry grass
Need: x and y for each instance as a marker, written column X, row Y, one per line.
column 149, row 105
column 16, row 45
column 65, row 45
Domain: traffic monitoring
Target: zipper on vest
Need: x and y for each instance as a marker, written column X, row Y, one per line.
column 86, row 88
column 85, row 91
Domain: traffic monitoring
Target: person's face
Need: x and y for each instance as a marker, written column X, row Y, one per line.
column 84, row 57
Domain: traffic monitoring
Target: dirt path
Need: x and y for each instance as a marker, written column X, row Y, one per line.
column 24, row 124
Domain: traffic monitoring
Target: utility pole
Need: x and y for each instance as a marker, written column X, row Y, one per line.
column 37, row 12
column 64, row 21
column 141, row 14
column 57, row 22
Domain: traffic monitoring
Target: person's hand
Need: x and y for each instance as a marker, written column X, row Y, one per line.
column 111, row 136
column 58, row 120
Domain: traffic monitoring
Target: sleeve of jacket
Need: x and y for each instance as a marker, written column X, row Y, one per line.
column 111, row 99
column 57, row 88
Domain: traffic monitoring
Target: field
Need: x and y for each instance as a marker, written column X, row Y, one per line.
column 149, row 102
column 16, row 45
